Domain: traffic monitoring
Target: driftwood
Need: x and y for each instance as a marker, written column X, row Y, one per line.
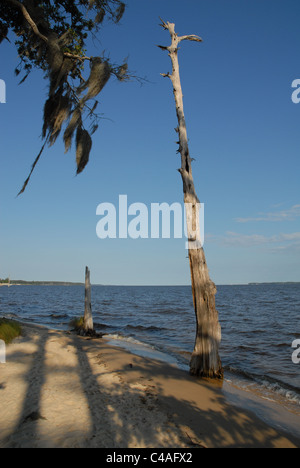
column 205, row 361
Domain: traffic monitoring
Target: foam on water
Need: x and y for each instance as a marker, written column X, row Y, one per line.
column 139, row 348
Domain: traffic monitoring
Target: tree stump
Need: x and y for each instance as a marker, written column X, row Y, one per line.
column 88, row 324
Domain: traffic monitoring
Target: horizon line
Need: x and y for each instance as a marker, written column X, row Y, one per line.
column 81, row 283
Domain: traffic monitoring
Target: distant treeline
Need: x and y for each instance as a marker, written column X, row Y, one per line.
column 39, row 283
column 278, row 282
column 4, row 281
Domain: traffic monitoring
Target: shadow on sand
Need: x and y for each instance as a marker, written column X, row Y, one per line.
column 130, row 402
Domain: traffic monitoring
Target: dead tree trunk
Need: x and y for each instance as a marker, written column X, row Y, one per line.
column 205, row 361
column 88, row 324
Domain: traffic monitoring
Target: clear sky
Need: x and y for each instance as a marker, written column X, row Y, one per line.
column 244, row 133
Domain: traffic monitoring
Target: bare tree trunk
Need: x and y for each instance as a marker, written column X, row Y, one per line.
column 205, row 361
column 88, row 323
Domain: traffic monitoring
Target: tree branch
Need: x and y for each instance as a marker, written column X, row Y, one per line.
column 35, row 29
column 28, row 18
column 77, row 57
column 163, row 47
column 192, row 37
column 164, row 24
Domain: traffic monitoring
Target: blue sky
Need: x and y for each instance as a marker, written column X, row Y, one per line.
column 244, row 135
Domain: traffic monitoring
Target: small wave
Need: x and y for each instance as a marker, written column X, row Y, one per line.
column 127, row 339
column 266, row 302
column 141, row 349
column 169, row 311
column 239, row 372
column 266, row 384
column 287, row 392
column 101, row 325
column 59, row 316
column 143, row 328
column 281, row 345
column 11, row 315
column 245, row 348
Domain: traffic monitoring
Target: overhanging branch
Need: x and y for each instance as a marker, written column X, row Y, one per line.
column 28, row 18
column 36, row 31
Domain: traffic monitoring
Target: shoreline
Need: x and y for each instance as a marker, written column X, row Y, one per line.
column 61, row 390
column 273, row 408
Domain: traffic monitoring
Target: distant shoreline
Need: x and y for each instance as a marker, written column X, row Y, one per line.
column 40, row 283
column 68, row 283
column 275, row 282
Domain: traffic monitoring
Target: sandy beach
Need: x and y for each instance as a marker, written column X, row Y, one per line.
column 61, row 390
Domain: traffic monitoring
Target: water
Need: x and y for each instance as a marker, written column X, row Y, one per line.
column 259, row 324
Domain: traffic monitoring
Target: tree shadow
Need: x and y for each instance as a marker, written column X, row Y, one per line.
column 95, row 397
column 142, row 409
column 30, row 414
column 128, row 401
column 124, row 414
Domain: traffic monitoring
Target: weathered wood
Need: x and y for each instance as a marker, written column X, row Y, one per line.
column 88, row 323
column 2, row 352
column 205, row 361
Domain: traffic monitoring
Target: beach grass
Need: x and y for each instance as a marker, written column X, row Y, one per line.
column 9, row 330
column 77, row 323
